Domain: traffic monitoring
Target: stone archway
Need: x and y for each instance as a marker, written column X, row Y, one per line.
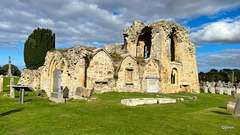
column 144, row 43
column 52, row 66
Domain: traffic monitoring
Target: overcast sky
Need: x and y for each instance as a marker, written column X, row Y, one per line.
column 214, row 25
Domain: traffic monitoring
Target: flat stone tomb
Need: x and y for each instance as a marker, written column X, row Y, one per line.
column 22, row 89
column 142, row 101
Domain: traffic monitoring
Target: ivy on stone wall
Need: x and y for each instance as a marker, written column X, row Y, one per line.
column 36, row 47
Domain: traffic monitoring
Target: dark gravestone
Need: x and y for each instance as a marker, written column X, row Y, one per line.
column 22, row 89
column 65, row 92
column 57, row 94
column 236, row 111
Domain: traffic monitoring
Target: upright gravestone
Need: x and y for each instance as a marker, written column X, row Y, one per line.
column 221, row 90
column 238, row 90
column 205, row 89
column 229, row 92
column 57, row 94
column 12, row 94
column 9, row 67
column 212, row 90
column 1, row 83
column 236, row 111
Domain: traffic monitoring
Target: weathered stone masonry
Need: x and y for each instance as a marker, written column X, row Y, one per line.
column 154, row 56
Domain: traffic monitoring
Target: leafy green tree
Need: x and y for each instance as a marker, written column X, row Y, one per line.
column 36, row 47
column 14, row 69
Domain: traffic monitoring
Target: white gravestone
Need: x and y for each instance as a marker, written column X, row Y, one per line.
column 229, row 91
column 221, row 90
column 212, row 90
column 205, row 89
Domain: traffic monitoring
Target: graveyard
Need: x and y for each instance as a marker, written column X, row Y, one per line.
column 104, row 114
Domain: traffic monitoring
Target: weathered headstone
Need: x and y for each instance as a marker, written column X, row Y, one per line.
column 212, row 90
column 221, row 90
column 205, row 89
column 229, row 84
column 9, row 67
column 65, row 92
column 12, row 94
column 236, row 111
column 57, row 94
column 1, row 83
column 238, row 90
column 82, row 92
column 213, row 84
column 229, row 92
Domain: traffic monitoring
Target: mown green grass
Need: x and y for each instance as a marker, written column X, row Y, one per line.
column 106, row 115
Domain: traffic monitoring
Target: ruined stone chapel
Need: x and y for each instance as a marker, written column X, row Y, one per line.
column 155, row 58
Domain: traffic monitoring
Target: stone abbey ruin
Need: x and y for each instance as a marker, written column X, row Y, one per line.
column 155, row 58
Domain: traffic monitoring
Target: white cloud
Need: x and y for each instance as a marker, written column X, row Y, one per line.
column 92, row 21
column 223, row 31
column 226, row 58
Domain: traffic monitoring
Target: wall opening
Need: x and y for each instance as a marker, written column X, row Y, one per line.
column 174, row 76
column 172, row 44
column 144, row 43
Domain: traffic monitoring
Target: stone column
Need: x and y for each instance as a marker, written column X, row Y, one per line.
column 12, row 94
column 236, row 111
column 9, row 67
column 1, row 83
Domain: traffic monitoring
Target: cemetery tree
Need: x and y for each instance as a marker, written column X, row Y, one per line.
column 36, row 47
column 14, row 69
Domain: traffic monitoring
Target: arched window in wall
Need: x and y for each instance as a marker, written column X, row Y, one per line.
column 144, row 43
column 172, row 44
column 174, row 76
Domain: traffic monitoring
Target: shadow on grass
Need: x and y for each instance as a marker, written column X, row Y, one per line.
column 12, row 111
column 221, row 113
column 222, row 107
column 28, row 100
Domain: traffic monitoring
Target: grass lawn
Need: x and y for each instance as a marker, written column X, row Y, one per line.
column 106, row 115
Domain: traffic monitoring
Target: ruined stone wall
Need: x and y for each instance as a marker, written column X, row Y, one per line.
column 96, row 69
column 114, row 48
column 164, row 33
column 100, row 73
column 128, row 76
column 70, row 61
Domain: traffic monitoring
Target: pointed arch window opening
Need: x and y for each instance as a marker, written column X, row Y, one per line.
column 172, row 44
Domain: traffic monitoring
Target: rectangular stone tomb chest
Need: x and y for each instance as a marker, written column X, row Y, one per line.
column 152, row 84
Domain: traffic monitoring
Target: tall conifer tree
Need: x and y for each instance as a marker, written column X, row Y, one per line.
column 36, row 47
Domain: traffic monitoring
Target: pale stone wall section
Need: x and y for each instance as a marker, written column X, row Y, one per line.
column 100, row 72
column 151, row 68
column 128, row 64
